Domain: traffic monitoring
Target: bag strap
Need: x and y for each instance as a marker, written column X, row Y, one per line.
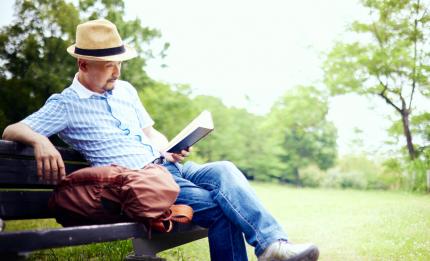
column 178, row 213
column 181, row 213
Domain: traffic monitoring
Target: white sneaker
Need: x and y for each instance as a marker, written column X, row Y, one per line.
column 281, row 250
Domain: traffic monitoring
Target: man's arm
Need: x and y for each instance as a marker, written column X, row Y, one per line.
column 160, row 141
column 50, row 165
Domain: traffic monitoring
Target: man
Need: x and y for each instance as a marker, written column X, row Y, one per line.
column 103, row 118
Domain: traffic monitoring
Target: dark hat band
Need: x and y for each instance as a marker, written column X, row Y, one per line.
column 100, row 52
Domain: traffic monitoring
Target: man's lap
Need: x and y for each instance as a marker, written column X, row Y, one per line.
column 206, row 211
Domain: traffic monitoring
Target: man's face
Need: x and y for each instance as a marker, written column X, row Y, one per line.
column 101, row 76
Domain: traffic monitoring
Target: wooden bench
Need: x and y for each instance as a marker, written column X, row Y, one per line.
column 23, row 196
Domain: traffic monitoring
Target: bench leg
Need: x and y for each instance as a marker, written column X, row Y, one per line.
column 144, row 250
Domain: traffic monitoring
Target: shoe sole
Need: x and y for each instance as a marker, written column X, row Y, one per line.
column 310, row 254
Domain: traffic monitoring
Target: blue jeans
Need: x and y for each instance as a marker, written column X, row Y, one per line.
column 224, row 202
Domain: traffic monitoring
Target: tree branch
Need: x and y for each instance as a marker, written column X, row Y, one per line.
column 385, row 97
column 422, row 148
column 385, row 85
column 414, row 69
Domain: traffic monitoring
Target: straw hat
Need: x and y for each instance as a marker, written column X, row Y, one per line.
column 99, row 40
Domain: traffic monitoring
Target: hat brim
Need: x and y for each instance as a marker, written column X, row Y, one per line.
column 129, row 53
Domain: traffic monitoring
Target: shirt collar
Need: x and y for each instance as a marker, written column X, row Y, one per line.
column 82, row 91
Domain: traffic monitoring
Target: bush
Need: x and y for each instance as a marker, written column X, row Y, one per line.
column 336, row 178
column 417, row 175
column 408, row 175
column 311, row 176
column 352, row 171
column 359, row 172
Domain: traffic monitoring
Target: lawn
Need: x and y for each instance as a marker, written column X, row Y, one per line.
column 345, row 224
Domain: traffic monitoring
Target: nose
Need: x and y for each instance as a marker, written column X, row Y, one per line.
column 117, row 70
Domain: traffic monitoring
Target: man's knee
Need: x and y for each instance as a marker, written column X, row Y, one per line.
column 227, row 170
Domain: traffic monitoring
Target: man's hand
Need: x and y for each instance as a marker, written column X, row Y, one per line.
column 160, row 141
column 50, row 165
column 178, row 157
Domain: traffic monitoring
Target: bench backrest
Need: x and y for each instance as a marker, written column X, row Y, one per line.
column 22, row 194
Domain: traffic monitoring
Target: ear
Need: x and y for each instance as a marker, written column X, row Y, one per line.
column 82, row 65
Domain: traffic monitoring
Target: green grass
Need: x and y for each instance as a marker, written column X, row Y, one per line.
column 345, row 224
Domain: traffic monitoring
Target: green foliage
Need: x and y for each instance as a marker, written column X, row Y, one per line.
column 350, row 179
column 412, row 175
column 390, row 59
column 33, row 54
column 264, row 148
column 171, row 110
column 215, row 148
column 420, row 127
column 418, row 168
column 312, row 176
column 408, row 175
column 29, row 47
column 358, row 172
column 298, row 124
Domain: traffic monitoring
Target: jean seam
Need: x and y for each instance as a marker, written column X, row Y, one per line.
column 191, row 200
column 215, row 186
column 231, row 239
column 257, row 236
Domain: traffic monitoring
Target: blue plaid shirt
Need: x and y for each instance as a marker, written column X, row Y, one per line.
column 106, row 128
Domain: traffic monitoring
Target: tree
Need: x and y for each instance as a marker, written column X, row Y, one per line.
column 170, row 108
column 33, row 54
column 29, row 50
column 393, row 63
column 298, row 122
column 220, row 143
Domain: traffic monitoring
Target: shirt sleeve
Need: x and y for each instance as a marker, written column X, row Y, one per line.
column 145, row 119
column 50, row 119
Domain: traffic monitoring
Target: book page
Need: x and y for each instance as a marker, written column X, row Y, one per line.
column 204, row 120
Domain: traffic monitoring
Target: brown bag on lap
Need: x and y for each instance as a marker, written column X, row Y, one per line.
column 111, row 194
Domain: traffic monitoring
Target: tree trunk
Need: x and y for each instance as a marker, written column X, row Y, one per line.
column 407, row 132
column 404, row 113
column 297, row 180
column 428, row 181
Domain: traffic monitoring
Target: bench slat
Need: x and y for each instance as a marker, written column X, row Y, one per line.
column 24, row 204
column 26, row 241
column 14, row 149
column 18, row 173
column 32, row 240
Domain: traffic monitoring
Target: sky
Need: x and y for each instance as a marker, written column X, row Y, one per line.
column 249, row 53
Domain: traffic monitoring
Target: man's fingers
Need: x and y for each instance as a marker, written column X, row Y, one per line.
column 47, row 169
column 54, row 170
column 61, row 169
column 50, row 165
column 39, row 163
column 177, row 157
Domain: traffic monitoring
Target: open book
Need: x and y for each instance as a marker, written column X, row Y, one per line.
column 193, row 132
